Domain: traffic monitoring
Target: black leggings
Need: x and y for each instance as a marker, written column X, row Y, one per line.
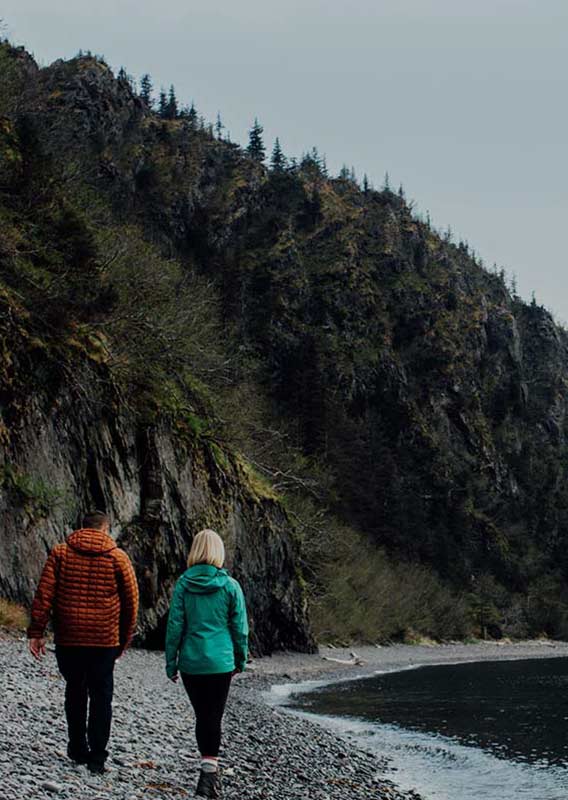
column 208, row 695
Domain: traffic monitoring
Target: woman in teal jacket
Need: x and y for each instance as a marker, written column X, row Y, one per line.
column 207, row 642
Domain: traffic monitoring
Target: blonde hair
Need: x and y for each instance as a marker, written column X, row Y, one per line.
column 207, row 548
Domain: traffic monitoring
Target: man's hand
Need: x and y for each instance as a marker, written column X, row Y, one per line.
column 175, row 678
column 37, row 648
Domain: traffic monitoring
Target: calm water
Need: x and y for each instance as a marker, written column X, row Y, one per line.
column 495, row 730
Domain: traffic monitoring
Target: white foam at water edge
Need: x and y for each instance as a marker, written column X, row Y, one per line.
column 439, row 768
column 436, row 766
column 280, row 693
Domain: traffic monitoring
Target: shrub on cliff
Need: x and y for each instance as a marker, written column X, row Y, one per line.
column 13, row 617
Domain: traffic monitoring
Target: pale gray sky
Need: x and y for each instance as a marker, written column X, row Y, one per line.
column 463, row 102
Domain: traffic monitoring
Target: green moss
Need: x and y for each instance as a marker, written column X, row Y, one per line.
column 220, row 456
column 171, row 403
column 258, row 485
column 197, row 425
column 38, row 497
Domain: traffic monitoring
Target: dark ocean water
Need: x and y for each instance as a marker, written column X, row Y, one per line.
column 491, row 730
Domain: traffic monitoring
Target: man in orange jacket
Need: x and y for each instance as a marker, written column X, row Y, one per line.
column 90, row 586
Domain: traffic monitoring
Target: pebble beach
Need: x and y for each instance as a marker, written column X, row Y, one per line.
column 268, row 753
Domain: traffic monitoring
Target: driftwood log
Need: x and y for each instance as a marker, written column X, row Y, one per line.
column 354, row 661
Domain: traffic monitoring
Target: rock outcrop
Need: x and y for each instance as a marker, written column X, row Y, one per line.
column 428, row 393
column 78, row 454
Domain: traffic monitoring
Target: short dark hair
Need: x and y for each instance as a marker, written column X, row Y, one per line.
column 95, row 519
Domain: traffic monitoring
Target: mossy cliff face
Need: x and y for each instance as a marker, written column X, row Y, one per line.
column 77, row 453
column 433, row 393
column 430, row 395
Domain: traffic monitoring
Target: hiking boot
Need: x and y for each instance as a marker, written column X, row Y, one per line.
column 209, row 785
column 96, row 768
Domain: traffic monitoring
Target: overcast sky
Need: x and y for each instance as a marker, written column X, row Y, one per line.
column 463, row 102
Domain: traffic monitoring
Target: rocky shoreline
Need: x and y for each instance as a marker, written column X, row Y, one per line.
column 269, row 754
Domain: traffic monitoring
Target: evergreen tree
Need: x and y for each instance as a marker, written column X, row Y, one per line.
column 172, row 106
column 255, row 147
column 308, row 159
column 311, row 162
column 146, row 90
column 163, row 105
column 277, row 159
column 125, row 78
column 219, row 127
column 366, row 184
column 316, row 161
column 386, row 184
column 192, row 115
column 344, row 173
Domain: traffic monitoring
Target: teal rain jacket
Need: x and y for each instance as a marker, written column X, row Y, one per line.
column 207, row 625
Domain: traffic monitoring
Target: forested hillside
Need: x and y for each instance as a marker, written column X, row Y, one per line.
column 315, row 362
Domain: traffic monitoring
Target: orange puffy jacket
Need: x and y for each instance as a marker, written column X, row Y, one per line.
column 90, row 585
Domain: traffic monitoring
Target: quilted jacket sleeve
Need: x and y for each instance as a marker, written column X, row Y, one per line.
column 44, row 596
column 238, row 624
column 129, row 597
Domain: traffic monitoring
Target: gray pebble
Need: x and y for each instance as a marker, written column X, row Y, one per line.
column 268, row 754
column 49, row 786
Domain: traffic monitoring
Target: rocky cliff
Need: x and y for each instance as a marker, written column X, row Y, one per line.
column 86, row 420
column 74, row 453
column 421, row 402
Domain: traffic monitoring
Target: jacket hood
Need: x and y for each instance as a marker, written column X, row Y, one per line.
column 204, row 579
column 90, row 541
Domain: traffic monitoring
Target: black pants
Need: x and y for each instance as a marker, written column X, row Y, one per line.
column 208, row 695
column 88, row 672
